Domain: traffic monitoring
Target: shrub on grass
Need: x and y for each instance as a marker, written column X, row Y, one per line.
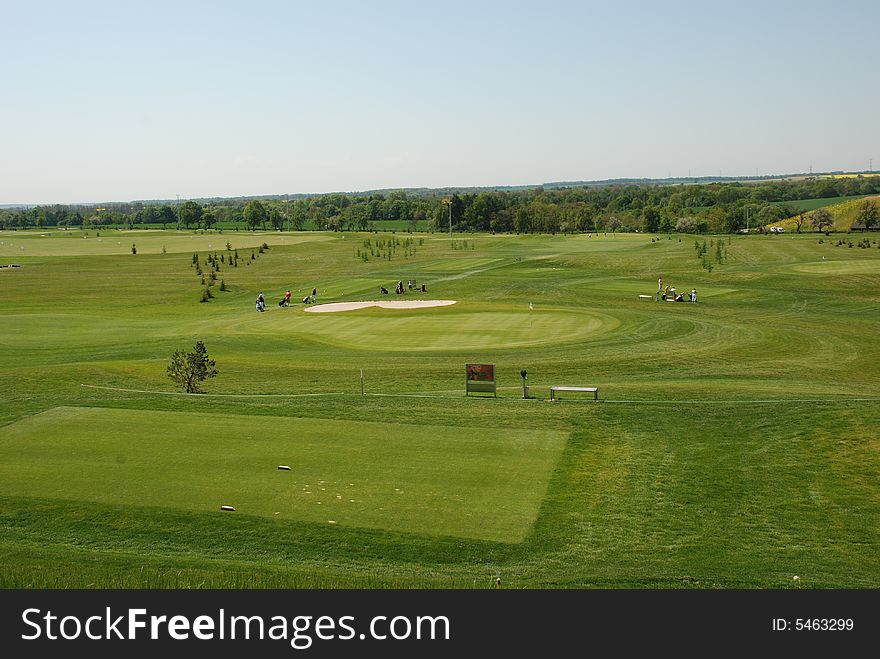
column 188, row 369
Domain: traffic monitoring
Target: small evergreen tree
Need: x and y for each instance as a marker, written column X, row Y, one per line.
column 188, row 369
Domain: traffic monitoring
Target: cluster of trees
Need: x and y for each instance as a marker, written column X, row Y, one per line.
column 715, row 207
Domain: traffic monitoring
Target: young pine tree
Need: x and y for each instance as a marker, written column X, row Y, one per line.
column 188, row 369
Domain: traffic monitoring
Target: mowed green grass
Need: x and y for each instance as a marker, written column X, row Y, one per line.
column 437, row 480
column 106, row 242
column 444, row 329
column 735, row 443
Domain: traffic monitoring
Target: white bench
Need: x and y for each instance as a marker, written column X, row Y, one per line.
column 592, row 390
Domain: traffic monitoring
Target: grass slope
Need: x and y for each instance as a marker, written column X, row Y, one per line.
column 823, row 202
column 843, row 213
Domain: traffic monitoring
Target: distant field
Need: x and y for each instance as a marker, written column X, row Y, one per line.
column 813, row 204
column 735, row 443
column 76, row 242
column 843, row 214
column 804, row 205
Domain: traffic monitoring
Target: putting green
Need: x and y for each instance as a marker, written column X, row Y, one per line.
column 469, row 482
column 438, row 329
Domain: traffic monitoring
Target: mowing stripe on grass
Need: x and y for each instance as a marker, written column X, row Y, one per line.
column 667, row 401
column 710, row 401
column 475, row 482
column 183, row 393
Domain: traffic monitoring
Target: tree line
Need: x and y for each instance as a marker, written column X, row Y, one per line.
column 688, row 208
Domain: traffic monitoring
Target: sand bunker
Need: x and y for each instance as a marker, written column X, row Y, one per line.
column 389, row 304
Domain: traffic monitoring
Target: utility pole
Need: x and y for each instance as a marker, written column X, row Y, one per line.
column 448, row 202
column 287, row 211
column 178, row 212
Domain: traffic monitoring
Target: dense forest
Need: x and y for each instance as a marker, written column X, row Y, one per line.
column 690, row 208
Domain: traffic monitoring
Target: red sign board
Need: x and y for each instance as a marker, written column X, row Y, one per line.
column 480, row 372
column 480, row 379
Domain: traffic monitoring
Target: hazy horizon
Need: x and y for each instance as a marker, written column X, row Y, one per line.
column 198, row 100
column 499, row 186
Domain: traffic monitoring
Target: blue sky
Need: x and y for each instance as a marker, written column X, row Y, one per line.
column 105, row 101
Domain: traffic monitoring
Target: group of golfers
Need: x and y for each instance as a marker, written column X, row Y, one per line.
column 668, row 293
column 285, row 301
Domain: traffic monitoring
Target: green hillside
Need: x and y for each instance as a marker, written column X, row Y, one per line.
column 843, row 215
column 735, row 442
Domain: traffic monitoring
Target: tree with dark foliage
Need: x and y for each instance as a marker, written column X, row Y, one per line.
column 188, row 369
